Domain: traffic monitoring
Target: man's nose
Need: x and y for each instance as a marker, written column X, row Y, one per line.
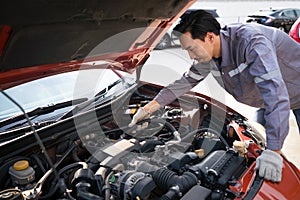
column 192, row 55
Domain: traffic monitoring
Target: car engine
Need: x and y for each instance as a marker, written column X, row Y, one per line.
column 185, row 152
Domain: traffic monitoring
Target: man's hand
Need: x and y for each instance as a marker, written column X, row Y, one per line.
column 138, row 116
column 269, row 165
column 144, row 113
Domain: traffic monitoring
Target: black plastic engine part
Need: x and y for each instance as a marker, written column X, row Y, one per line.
column 220, row 167
column 201, row 168
column 197, row 193
column 228, row 167
column 173, row 193
column 178, row 160
column 132, row 185
column 83, row 184
column 143, row 188
column 166, row 179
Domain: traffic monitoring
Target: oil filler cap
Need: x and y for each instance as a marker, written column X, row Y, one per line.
column 21, row 165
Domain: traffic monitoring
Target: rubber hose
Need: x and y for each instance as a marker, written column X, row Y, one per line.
column 166, row 179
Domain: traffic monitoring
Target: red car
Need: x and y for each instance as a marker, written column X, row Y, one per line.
column 295, row 31
column 70, row 84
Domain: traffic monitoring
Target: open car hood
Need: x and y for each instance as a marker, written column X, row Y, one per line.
column 41, row 38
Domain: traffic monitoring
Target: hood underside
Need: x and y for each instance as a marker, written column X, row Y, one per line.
column 39, row 32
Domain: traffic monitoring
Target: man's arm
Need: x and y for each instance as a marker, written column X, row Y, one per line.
column 264, row 68
column 190, row 79
column 267, row 76
column 171, row 92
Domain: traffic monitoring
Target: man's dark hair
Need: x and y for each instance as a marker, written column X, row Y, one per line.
column 198, row 23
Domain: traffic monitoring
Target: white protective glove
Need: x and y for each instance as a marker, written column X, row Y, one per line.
column 269, row 165
column 138, row 116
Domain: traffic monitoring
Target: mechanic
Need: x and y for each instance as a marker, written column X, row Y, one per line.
column 259, row 66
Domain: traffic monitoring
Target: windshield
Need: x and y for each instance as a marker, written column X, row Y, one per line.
column 61, row 88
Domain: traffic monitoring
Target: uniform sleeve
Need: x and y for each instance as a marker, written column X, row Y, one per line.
column 262, row 59
column 189, row 79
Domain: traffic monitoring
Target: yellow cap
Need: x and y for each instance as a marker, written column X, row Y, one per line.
column 21, row 165
column 200, row 152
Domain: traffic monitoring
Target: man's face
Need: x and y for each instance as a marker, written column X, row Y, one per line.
column 199, row 50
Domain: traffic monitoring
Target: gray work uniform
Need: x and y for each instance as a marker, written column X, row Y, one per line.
column 260, row 67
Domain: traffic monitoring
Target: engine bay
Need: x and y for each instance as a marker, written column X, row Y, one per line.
column 190, row 149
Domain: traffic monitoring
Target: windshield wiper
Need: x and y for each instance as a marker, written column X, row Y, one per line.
column 42, row 111
column 91, row 101
column 105, row 90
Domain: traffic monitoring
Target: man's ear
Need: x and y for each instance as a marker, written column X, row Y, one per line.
column 210, row 36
